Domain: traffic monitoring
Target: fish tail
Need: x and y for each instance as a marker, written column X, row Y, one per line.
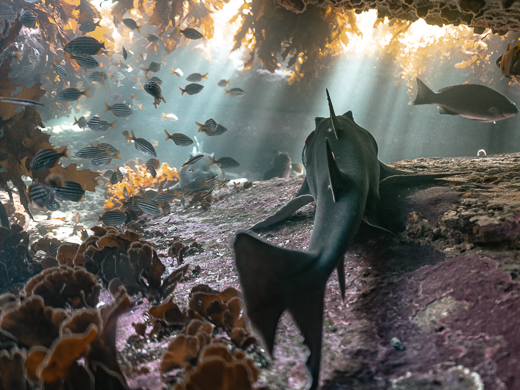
column 68, row 56
column 103, row 45
column 85, row 92
column 275, row 280
column 107, row 107
column 424, row 94
column 201, row 127
column 205, row 76
column 226, row 91
column 173, row 71
column 162, row 98
column 139, row 29
column 212, row 161
column 113, row 123
column 75, row 121
column 116, row 155
column 132, row 135
column 182, row 90
column 168, row 136
column 65, row 152
column 178, row 30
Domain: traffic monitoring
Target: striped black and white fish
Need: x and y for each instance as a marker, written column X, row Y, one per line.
column 152, row 88
column 104, row 158
column 81, row 122
column 209, row 125
column 119, row 109
column 98, row 77
column 60, row 70
column 70, row 191
column 153, row 162
column 47, row 158
column 195, row 77
column 179, row 138
column 83, row 46
column 164, row 196
column 152, row 171
column 104, row 125
column 192, row 89
column 148, row 206
column 166, row 207
column 141, row 144
column 193, row 160
column 29, row 19
column 116, row 177
column 88, row 152
column 150, row 194
column 190, row 33
column 87, row 62
column 113, row 218
column 71, row 94
column 224, row 162
column 88, row 26
column 94, row 123
column 109, row 148
column 132, row 202
column 40, row 194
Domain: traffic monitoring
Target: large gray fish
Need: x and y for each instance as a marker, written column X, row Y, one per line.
column 345, row 178
column 141, row 144
column 119, row 109
column 471, row 101
column 71, row 94
column 83, row 46
column 192, row 89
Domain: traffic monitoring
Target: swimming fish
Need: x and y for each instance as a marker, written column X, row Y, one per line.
column 83, row 46
column 192, row 89
column 40, row 194
column 71, row 94
column 148, row 207
column 156, row 79
column 113, row 218
column 222, row 83
column 209, row 125
column 170, row 117
column 346, row 179
column 116, row 177
column 119, row 109
column 98, row 77
column 141, row 144
column 151, row 166
column 53, row 206
column 194, row 77
column 193, row 160
column 190, row 33
column 152, row 88
column 87, row 62
column 236, row 92
column 94, row 123
column 107, row 147
column 20, row 102
column 152, row 37
column 179, row 138
column 60, row 70
column 88, row 152
column 104, row 125
column 153, row 67
column 131, row 24
column 509, row 63
column 47, row 158
column 88, row 26
column 471, row 101
column 177, row 72
column 70, row 191
column 125, row 53
column 219, row 130
column 225, row 162
column 29, row 19
column 104, row 158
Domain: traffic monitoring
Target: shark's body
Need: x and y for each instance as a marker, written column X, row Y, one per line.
column 344, row 177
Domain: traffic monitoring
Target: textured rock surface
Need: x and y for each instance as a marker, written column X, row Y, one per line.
column 500, row 16
column 435, row 308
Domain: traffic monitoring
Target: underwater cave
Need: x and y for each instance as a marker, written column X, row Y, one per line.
column 259, row 194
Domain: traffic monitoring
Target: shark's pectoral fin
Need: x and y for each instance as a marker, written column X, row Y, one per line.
column 304, row 189
column 340, row 269
column 445, row 111
column 285, row 212
column 337, row 179
column 275, row 279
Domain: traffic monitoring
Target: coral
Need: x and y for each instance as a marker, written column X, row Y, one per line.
column 12, row 366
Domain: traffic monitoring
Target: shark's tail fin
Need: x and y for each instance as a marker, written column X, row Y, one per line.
column 274, row 280
column 424, row 94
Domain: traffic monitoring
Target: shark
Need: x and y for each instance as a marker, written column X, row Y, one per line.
column 346, row 180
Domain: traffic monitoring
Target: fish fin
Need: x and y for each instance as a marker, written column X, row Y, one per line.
column 164, row 101
column 304, row 189
column 508, row 46
column 178, row 31
column 107, row 108
column 226, row 91
column 274, row 280
column 336, row 177
column 340, row 269
column 335, row 125
column 173, row 71
column 167, row 135
column 212, row 161
column 113, row 123
column 68, row 56
column 386, row 171
column 75, row 121
column 139, row 29
column 318, row 119
column 445, row 111
column 65, row 151
column 424, row 94
column 85, row 92
column 349, row 115
column 182, row 90
column 200, row 127
column 285, row 212
column 205, row 76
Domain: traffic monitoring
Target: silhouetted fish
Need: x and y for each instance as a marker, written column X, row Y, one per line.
column 141, row 144
column 131, row 24
column 194, row 77
column 237, row 92
column 190, row 33
column 225, row 162
column 192, row 89
column 47, row 158
column 81, row 122
column 83, row 46
column 89, row 26
column 71, row 94
column 125, row 53
column 179, row 138
column 70, row 191
column 152, row 37
column 222, row 83
column 119, row 109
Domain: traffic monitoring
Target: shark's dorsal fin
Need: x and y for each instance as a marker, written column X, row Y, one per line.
column 336, row 177
column 317, row 120
column 333, row 119
column 349, row 115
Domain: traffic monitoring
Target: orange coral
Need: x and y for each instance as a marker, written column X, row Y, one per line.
column 136, row 179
